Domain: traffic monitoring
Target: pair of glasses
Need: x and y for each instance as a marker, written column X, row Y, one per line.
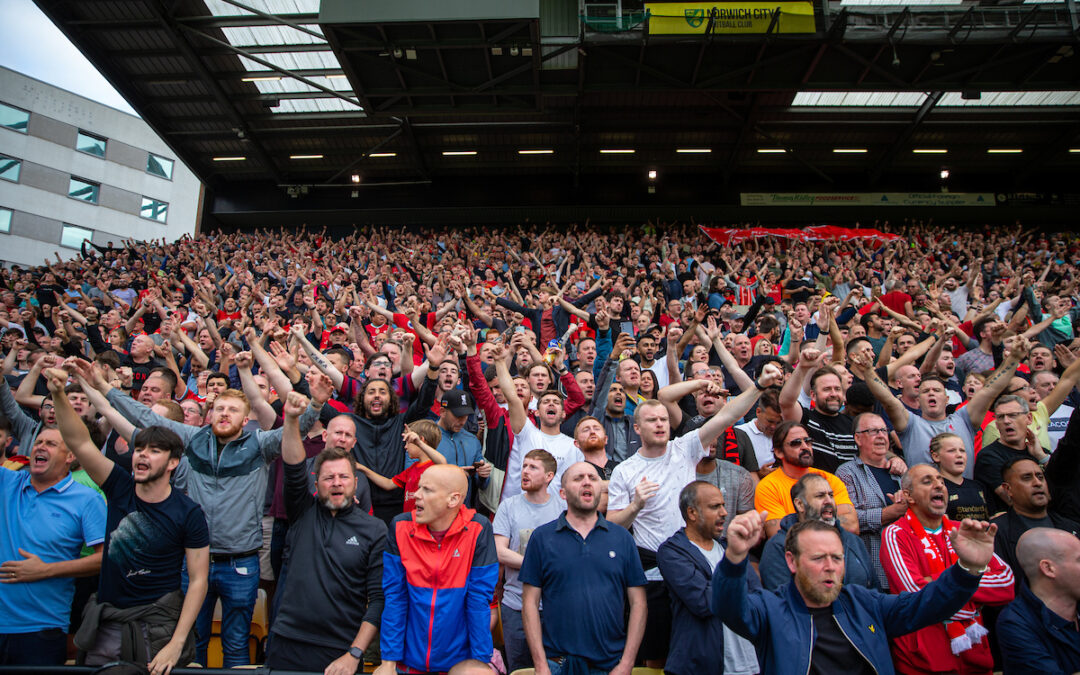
column 799, row 441
column 874, row 432
column 1011, row 416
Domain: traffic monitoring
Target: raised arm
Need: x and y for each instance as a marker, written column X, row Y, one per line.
column 73, row 430
column 1063, row 388
column 264, row 412
column 514, row 406
column 317, row 357
column 25, row 395
column 1019, row 346
column 862, row 367
column 737, row 407
column 809, row 360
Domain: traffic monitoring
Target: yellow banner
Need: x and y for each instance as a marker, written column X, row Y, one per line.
column 678, row 18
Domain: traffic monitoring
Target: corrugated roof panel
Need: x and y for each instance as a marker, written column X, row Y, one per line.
column 219, row 8
column 308, row 105
column 861, row 99
column 256, row 36
column 287, row 85
column 1013, row 98
column 313, row 60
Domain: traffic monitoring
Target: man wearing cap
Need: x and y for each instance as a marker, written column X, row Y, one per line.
column 339, row 335
column 459, row 446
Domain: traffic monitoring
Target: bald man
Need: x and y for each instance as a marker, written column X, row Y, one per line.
column 439, row 573
column 1037, row 632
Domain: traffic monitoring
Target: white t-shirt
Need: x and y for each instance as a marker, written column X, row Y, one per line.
column 660, row 370
column 1059, row 421
column 740, row 658
column 660, row 518
column 560, row 446
column 763, row 449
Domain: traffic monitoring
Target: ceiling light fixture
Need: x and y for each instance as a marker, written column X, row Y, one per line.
column 929, row 151
column 230, row 159
column 1003, row 151
column 383, row 154
column 850, row 151
column 652, row 174
column 693, row 151
column 261, row 78
column 772, row 151
column 617, row 151
column 458, row 153
column 355, row 178
column 536, row 152
column 305, row 156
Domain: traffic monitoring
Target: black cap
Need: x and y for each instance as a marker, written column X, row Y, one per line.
column 459, row 403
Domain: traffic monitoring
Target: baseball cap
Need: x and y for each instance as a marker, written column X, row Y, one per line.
column 344, row 327
column 459, row 403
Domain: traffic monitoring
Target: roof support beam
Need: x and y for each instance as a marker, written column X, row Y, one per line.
column 365, row 155
column 176, row 32
column 920, row 116
column 276, row 68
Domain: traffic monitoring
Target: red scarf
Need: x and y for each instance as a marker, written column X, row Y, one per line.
column 963, row 635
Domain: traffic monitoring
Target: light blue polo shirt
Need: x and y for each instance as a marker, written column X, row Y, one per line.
column 53, row 525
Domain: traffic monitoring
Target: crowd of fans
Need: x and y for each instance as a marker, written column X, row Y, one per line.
column 574, row 449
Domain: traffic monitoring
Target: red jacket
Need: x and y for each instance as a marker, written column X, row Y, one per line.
column 438, row 593
column 928, row 650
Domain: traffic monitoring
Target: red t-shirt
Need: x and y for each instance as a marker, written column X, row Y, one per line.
column 410, row 480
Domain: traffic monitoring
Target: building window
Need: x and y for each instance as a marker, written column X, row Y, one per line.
column 154, row 209
column 72, row 236
column 13, row 118
column 90, row 144
column 9, row 168
column 5, row 220
column 159, row 166
column 84, row 190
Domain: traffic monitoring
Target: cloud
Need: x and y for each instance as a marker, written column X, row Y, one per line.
column 32, row 45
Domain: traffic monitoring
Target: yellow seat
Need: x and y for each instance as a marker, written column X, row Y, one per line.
column 642, row 670
column 524, row 671
column 497, row 633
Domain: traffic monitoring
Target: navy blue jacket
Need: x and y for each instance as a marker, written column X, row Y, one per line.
column 697, row 634
column 1035, row 640
column 858, row 569
column 781, row 627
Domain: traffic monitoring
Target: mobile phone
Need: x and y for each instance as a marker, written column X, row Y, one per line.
column 626, row 327
column 519, row 329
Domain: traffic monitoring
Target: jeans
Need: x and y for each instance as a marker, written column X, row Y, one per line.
column 41, row 648
column 517, row 649
column 236, row 582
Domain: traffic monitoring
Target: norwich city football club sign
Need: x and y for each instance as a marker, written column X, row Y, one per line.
column 680, row 18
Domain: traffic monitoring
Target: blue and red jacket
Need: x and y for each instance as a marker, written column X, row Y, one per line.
column 438, row 594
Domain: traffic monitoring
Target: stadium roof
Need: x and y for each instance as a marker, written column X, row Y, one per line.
column 305, row 97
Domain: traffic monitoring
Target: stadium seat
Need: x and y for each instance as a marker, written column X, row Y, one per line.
column 642, row 670
column 524, row 671
column 497, row 633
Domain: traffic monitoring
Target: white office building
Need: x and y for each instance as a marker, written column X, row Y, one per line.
column 72, row 169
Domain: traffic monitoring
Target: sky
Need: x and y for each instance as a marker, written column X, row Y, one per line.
column 32, row 45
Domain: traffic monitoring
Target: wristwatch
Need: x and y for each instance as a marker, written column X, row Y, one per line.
column 972, row 572
column 356, row 653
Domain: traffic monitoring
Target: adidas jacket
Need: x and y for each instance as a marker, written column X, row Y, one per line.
column 333, row 568
column 437, row 595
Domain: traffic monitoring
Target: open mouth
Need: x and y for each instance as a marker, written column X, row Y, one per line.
column 40, row 459
column 142, row 466
column 937, row 499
